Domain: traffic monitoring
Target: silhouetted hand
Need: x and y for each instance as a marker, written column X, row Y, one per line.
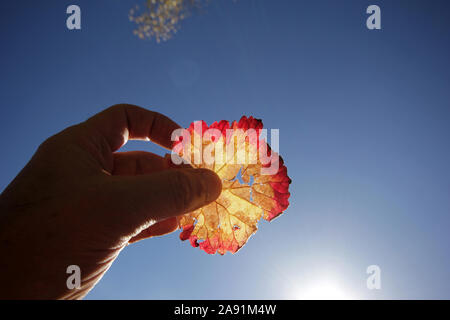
column 78, row 202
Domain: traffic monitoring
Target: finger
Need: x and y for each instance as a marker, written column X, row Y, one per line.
column 122, row 122
column 141, row 162
column 131, row 203
column 138, row 162
column 158, row 229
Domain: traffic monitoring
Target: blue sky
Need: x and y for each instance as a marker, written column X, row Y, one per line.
column 363, row 118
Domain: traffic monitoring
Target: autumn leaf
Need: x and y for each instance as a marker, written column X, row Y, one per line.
column 254, row 180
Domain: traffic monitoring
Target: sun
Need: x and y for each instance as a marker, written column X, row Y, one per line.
column 324, row 289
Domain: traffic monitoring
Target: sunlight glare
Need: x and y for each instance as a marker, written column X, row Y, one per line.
column 323, row 290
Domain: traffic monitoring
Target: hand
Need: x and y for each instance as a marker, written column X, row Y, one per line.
column 78, row 202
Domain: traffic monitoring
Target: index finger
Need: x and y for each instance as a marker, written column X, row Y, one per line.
column 124, row 122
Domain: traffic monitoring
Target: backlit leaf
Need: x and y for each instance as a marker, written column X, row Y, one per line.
column 248, row 193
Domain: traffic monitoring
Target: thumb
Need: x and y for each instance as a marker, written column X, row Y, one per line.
column 135, row 202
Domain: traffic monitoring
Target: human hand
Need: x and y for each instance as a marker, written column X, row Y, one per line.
column 79, row 202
